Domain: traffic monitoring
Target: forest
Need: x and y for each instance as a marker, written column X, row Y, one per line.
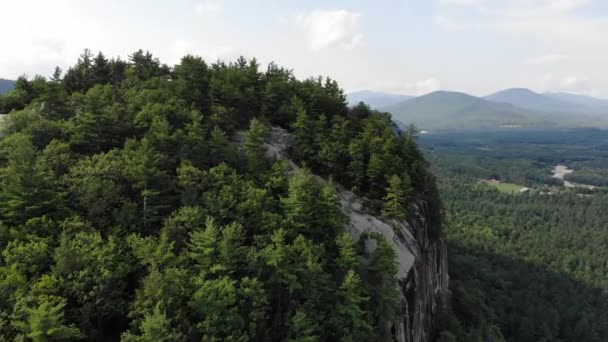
column 129, row 213
column 526, row 266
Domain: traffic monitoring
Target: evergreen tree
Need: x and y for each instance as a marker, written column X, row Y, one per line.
column 155, row 327
column 46, row 322
column 304, row 134
column 397, row 198
column 351, row 319
column 254, row 146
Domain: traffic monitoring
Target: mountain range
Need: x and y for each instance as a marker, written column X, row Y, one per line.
column 6, row 86
column 510, row 108
column 375, row 99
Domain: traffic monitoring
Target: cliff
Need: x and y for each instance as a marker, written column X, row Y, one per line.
column 422, row 275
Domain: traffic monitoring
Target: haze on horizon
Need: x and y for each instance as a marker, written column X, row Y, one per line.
column 403, row 46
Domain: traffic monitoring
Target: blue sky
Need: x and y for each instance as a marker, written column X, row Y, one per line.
column 401, row 46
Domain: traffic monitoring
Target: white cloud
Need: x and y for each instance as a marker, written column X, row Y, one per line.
column 207, row 8
column 461, row 2
column 426, row 86
column 421, row 87
column 550, row 59
column 571, row 84
column 331, row 28
column 183, row 47
column 566, row 5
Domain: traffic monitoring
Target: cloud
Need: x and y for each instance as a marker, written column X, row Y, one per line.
column 549, row 59
column 183, row 47
column 566, row 5
column 207, row 8
column 550, row 24
column 571, row 84
column 461, row 2
column 426, row 86
column 331, row 28
column 421, row 87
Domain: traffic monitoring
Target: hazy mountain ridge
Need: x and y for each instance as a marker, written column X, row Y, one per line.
column 527, row 99
column 510, row 108
column 375, row 99
column 590, row 102
column 455, row 110
column 6, row 86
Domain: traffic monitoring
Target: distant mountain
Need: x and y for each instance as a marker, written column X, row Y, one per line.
column 454, row 110
column 527, row 99
column 6, row 86
column 593, row 103
column 375, row 99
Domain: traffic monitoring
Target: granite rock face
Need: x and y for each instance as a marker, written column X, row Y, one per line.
column 422, row 276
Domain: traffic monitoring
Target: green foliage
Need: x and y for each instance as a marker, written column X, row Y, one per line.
column 528, row 267
column 130, row 209
column 396, row 198
column 46, row 322
column 254, row 147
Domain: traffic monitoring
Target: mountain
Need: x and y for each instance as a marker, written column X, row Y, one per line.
column 375, row 99
column 593, row 103
column 6, row 86
column 455, row 110
column 527, row 99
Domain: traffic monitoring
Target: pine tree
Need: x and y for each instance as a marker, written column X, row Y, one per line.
column 304, row 134
column 155, row 327
column 143, row 166
column 46, row 322
column 254, row 147
column 381, row 273
column 397, row 197
column 352, row 321
column 101, row 69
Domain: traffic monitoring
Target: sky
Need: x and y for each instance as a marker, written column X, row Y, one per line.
column 401, row 46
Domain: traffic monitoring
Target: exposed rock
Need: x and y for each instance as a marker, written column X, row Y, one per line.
column 422, row 275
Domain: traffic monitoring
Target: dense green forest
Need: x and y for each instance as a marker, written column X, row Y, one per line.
column 524, row 157
column 128, row 211
column 523, row 267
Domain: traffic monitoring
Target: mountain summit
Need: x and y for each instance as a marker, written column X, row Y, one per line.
column 527, row 99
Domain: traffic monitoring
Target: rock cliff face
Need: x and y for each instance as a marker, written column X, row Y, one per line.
column 422, row 275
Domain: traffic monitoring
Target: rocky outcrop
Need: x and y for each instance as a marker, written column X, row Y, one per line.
column 422, row 275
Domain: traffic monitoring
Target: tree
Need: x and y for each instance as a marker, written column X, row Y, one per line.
column 304, row 134
column 351, row 319
column 93, row 273
column 254, row 147
column 46, row 322
column 358, row 164
column 216, row 302
column 348, row 257
column 397, row 198
column 155, row 327
column 101, row 69
column 381, row 272
column 143, row 167
column 203, row 248
column 26, row 190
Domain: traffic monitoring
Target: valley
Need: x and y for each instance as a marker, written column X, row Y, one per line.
column 525, row 266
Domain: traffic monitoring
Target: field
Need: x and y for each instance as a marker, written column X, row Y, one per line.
column 505, row 187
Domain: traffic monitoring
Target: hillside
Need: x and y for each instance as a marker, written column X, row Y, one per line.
column 6, row 86
column 140, row 202
column 375, row 99
column 594, row 104
column 454, row 110
column 527, row 99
